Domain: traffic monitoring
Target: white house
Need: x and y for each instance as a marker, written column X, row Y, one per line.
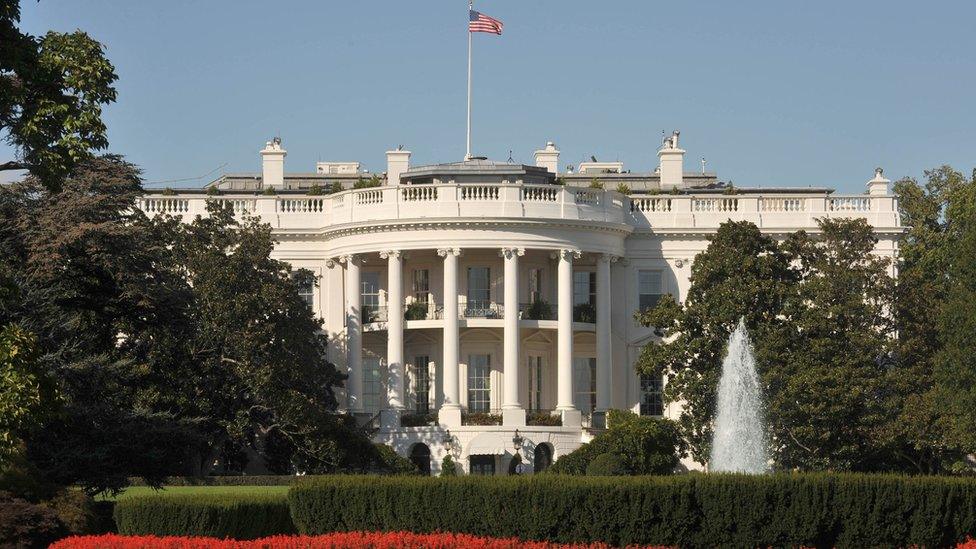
column 486, row 309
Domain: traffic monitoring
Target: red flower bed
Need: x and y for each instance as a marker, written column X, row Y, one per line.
column 968, row 544
column 338, row 540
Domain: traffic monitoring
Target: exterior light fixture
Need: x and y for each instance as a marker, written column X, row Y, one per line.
column 517, row 441
column 448, row 439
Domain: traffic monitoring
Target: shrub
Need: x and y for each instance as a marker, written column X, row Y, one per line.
column 584, row 312
column 25, row 524
column 373, row 181
column 607, row 465
column 392, row 462
column 338, row 540
column 418, row 420
column 76, row 511
column 543, row 418
column 225, row 480
column 215, row 512
column 623, row 188
column 269, row 191
column 315, row 190
column 539, row 309
column 812, row 510
column 481, row 418
column 648, row 445
column 336, row 187
column 448, row 467
column 595, row 183
column 415, row 311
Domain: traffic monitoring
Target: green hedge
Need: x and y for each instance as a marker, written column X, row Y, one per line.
column 242, row 513
column 224, row 480
column 694, row 510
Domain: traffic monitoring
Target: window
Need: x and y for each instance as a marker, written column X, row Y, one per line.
column 482, row 465
column 535, row 383
column 372, row 384
column 651, row 397
column 370, row 295
column 421, row 285
column 584, row 288
column 421, row 381
column 479, row 288
column 535, row 285
column 479, row 383
column 648, row 288
column 584, row 384
column 542, row 458
column 420, row 456
column 305, row 281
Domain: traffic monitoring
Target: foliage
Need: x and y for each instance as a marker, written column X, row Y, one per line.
column 213, row 190
column 543, row 418
column 335, row 540
column 336, row 187
column 648, row 446
column 391, row 462
column 415, row 311
column 75, row 509
column 480, row 418
column 584, row 312
column 269, row 191
column 779, row 510
column 315, row 190
column 595, row 183
column 825, row 393
column 623, row 188
column 448, row 467
column 373, row 181
column 27, row 393
column 226, row 480
column 608, row 465
column 418, row 420
column 240, row 514
column 539, row 309
column 52, row 90
column 25, row 524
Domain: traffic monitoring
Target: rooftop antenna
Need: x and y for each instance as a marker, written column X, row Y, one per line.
column 510, row 160
column 593, row 158
column 703, row 165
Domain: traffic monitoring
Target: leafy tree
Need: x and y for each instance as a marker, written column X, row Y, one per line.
column 816, row 306
column 27, row 394
column 644, row 445
column 742, row 274
column 52, row 90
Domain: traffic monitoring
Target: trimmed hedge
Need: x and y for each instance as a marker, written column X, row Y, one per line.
column 224, row 480
column 813, row 510
column 212, row 512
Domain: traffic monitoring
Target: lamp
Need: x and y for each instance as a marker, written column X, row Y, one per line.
column 448, row 439
column 517, row 441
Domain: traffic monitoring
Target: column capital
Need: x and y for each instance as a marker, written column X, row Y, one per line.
column 351, row 258
column 387, row 254
column 444, row 252
column 566, row 253
column 609, row 258
column 330, row 262
column 509, row 253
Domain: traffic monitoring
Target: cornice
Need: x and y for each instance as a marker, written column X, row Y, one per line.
column 329, row 233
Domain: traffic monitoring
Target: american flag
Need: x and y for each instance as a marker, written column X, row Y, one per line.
column 479, row 22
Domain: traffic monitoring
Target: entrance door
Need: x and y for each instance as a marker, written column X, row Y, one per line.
column 482, row 465
column 535, row 382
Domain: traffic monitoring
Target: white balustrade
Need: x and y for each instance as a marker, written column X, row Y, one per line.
column 301, row 205
column 781, row 204
column 538, row 194
column 369, row 196
column 589, row 197
column 715, row 204
column 237, row 205
column 479, row 192
column 849, row 204
column 419, row 193
column 172, row 206
column 650, row 204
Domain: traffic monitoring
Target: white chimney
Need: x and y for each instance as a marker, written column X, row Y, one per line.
column 397, row 162
column 879, row 185
column 548, row 157
column 273, row 164
column 671, row 159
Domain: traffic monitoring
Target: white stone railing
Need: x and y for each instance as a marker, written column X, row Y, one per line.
column 533, row 201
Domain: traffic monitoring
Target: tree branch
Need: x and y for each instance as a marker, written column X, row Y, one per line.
column 13, row 165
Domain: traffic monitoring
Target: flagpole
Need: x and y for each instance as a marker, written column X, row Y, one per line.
column 467, row 154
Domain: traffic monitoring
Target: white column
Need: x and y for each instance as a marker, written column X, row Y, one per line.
column 604, row 352
column 564, row 340
column 512, row 411
column 394, row 328
column 450, row 412
column 354, row 337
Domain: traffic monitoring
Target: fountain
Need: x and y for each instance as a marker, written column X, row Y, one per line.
column 739, row 441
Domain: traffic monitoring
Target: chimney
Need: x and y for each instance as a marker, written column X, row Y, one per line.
column 548, row 157
column 273, row 164
column 879, row 185
column 671, row 163
column 397, row 162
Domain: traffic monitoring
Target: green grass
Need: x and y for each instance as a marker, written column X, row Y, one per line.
column 193, row 490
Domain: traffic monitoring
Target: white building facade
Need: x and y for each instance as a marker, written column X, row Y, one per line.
column 486, row 310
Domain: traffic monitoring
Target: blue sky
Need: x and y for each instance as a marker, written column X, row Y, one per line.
column 771, row 93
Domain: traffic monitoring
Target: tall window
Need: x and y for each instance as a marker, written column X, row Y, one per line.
column 535, row 383
column 584, row 288
column 306, row 287
column 584, row 384
column 370, row 295
column 651, row 397
column 421, row 380
column 372, row 384
column 479, row 383
column 649, row 285
column 535, row 285
column 421, row 285
column 479, row 288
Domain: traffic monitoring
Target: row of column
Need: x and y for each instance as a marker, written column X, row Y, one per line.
column 513, row 412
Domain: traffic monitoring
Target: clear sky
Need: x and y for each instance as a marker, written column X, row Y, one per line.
column 771, row 93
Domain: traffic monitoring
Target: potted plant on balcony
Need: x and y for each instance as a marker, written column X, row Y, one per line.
column 416, row 310
column 584, row 312
column 539, row 309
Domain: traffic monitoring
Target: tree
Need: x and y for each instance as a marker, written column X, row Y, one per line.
column 52, row 91
column 644, row 445
column 816, row 307
column 27, row 394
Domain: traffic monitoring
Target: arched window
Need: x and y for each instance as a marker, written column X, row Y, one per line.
column 420, row 456
column 543, row 458
column 513, row 464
